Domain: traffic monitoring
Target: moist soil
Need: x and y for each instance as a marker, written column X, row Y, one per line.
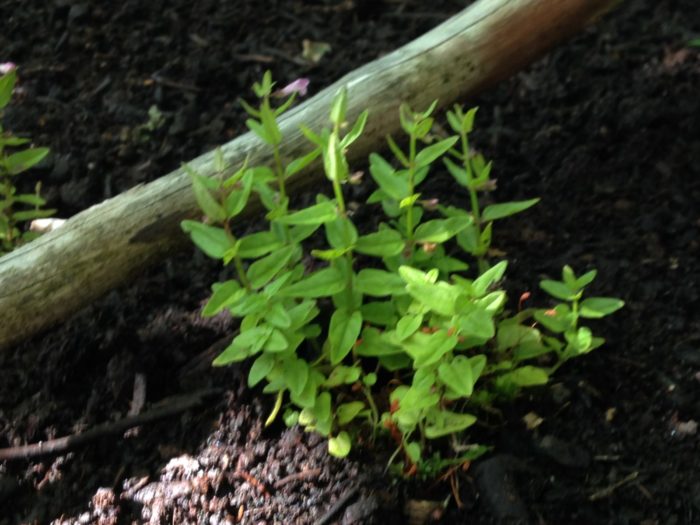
column 605, row 129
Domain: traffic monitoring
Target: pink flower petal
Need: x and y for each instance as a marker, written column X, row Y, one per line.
column 6, row 67
column 299, row 86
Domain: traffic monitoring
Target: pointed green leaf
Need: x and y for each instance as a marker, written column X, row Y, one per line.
column 384, row 243
column 23, row 160
column 427, row 155
column 224, row 294
column 408, row 325
column 7, row 84
column 597, row 307
column 263, row 270
column 296, row 374
column 443, row 423
column 260, row 368
column 379, row 283
column 343, row 332
column 499, row 211
column 211, row 240
column 385, row 176
column 440, row 230
column 491, row 276
column 277, row 316
column 258, row 244
column 348, row 411
column 313, row 215
column 558, row 290
column 322, row 283
column 356, row 130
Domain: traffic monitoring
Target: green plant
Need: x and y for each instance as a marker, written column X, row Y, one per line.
column 11, row 165
column 326, row 336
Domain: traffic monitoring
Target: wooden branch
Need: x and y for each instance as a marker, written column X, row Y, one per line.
column 102, row 247
column 61, row 445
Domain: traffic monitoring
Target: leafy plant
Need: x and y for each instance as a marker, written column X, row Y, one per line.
column 327, row 333
column 12, row 164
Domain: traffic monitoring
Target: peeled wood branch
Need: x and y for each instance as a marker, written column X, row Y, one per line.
column 102, row 247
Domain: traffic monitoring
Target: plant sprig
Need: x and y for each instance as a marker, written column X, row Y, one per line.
column 324, row 337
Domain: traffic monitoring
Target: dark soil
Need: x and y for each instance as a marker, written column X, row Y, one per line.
column 605, row 129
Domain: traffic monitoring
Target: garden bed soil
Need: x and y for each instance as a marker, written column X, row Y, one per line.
column 605, row 129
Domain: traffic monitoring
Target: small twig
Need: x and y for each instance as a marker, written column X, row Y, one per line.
column 297, row 476
column 338, row 505
column 172, row 407
column 252, row 481
column 608, row 491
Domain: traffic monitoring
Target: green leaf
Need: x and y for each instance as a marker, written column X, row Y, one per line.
column 296, row 374
column 341, row 233
column 356, row 130
column 276, row 342
column 339, row 106
column 586, row 279
column 258, row 244
column 238, row 198
column 557, row 320
column 407, row 326
column 299, row 164
column 427, row 349
column 263, row 270
column 457, row 374
column 7, row 84
column 440, row 230
column 558, row 290
column 339, row 446
column 526, row 376
column 427, row 155
column 491, row 276
column 443, row 422
column 261, row 367
column 322, row 283
column 457, row 172
column 476, row 323
column 384, row 243
column 439, row 297
column 597, row 307
column 386, row 178
column 257, row 128
column 348, row 411
column 269, row 123
column 224, row 294
column 302, row 314
column 334, row 161
column 277, row 316
column 343, row 375
column 499, row 211
column 244, row 345
column 28, row 215
column 330, row 255
column 313, row 215
column 379, row 283
column 381, row 313
column 211, row 240
column 343, row 332
column 23, row 160
column 205, row 200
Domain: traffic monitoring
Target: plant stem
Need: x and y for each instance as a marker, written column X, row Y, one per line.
column 373, row 409
column 411, row 187
column 474, row 200
column 275, row 409
column 237, row 261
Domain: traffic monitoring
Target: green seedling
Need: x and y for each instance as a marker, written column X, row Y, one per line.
column 16, row 208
